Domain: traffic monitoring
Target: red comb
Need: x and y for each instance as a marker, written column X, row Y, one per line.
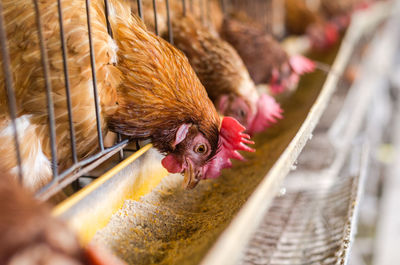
column 362, row 6
column 268, row 111
column 331, row 34
column 275, row 82
column 301, row 65
column 231, row 140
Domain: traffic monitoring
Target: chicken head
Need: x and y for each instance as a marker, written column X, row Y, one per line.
column 194, row 156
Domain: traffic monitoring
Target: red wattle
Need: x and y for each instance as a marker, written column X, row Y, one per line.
column 301, row 65
column 171, row 163
column 268, row 111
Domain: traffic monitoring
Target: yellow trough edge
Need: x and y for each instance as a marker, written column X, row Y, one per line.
column 87, row 224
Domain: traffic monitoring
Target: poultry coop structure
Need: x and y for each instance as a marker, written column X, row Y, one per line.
column 141, row 212
column 78, row 168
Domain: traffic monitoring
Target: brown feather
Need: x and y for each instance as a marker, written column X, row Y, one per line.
column 258, row 49
column 158, row 95
column 28, row 233
column 148, row 93
column 216, row 63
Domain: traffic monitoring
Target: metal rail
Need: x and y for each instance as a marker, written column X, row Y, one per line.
column 50, row 104
column 170, row 32
column 79, row 169
column 12, row 104
column 67, row 84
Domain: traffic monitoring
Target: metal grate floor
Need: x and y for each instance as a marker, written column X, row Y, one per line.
column 313, row 221
column 309, row 226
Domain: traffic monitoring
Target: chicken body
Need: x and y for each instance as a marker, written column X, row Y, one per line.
column 321, row 20
column 224, row 75
column 334, row 9
column 218, row 66
column 147, row 90
column 264, row 57
column 30, row 235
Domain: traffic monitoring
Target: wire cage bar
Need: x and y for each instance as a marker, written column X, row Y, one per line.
column 155, row 16
column 50, row 105
column 139, row 6
column 184, row 7
column 169, row 23
column 79, row 166
column 67, row 83
column 94, row 79
column 12, row 104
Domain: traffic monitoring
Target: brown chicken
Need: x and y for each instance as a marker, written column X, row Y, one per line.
column 30, row 235
column 342, row 8
column 224, row 75
column 322, row 21
column 146, row 88
column 218, row 67
column 263, row 56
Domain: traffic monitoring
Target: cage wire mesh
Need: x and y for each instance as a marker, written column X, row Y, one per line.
column 64, row 176
column 80, row 165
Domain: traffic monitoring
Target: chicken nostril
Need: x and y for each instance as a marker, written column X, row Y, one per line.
column 199, row 174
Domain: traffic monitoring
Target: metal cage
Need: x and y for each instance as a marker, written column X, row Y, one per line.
column 80, row 166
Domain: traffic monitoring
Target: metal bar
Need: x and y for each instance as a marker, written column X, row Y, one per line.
column 191, row 6
column 75, row 198
column 92, row 158
column 139, row 6
column 202, row 16
column 170, row 33
column 50, row 105
column 12, row 104
column 81, row 168
column 228, row 6
column 121, row 152
column 94, row 80
column 67, row 85
column 208, row 12
column 267, row 18
column 223, row 6
column 90, row 177
column 109, row 30
column 184, row 7
column 107, row 12
column 155, row 17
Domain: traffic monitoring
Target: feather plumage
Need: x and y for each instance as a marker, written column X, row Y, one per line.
column 30, row 235
column 147, row 89
column 30, row 87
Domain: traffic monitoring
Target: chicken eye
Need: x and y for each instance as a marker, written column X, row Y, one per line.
column 241, row 113
column 201, row 149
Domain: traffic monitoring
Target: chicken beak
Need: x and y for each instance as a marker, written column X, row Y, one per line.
column 190, row 177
